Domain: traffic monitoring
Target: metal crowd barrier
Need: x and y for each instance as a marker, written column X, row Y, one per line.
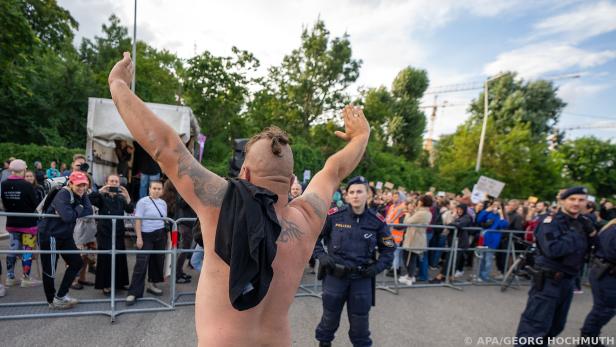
column 312, row 289
column 112, row 311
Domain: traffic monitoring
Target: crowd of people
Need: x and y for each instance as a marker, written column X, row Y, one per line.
column 23, row 191
column 421, row 220
column 476, row 225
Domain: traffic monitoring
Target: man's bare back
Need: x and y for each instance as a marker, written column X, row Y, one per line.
column 217, row 322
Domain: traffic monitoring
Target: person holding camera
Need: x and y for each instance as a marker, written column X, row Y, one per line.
column 352, row 236
column 151, row 235
column 112, row 200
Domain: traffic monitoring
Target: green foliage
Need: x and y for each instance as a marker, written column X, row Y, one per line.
column 310, row 83
column 44, row 154
column 512, row 101
column 395, row 117
column 515, row 158
column 590, row 161
column 216, row 88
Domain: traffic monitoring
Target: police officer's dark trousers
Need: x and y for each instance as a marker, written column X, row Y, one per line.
column 604, row 303
column 357, row 294
column 546, row 310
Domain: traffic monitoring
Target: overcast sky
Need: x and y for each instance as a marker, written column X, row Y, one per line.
column 455, row 41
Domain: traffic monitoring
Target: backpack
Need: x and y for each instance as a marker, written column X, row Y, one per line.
column 52, row 186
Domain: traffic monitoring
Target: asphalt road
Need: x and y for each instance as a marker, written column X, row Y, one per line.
column 415, row 317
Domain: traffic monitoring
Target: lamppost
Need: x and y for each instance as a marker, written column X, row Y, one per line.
column 485, row 118
column 134, row 57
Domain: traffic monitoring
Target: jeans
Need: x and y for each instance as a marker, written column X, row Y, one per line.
column 423, row 263
column 50, row 262
column 144, row 183
column 436, row 255
column 485, row 268
column 397, row 258
column 196, row 260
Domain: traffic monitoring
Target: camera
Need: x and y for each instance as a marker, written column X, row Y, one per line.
column 84, row 167
column 114, row 189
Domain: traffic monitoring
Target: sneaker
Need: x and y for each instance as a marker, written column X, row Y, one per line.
column 130, row 300
column 63, row 303
column 412, row 279
column 405, row 280
column 458, row 274
column 11, row 281
column 578, row 291
column 2, row 291
column 30, row 282
column 498, row 276
column 153, row 289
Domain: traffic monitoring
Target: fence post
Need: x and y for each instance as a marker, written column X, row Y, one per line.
column 174, row 257
column 453, row 252
column 113, row 267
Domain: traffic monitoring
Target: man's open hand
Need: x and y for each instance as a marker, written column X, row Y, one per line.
column 122, row 70
column 355, row 123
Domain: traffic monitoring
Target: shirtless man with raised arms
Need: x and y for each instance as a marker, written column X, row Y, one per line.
column 301, row 221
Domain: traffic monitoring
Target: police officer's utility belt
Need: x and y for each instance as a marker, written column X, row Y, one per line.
column 341, row 271
column 604, row 268
column 541, row 274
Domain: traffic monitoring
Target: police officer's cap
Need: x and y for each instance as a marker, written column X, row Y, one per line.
column 572, row 191
column 357, row 180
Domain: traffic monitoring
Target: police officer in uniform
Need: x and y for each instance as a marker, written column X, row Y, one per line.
column 349, row 266
column 603, row 281
column 562, row 244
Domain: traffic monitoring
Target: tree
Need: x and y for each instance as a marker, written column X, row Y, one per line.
column 590, row 161
column 514, row 158
column 310, row 83
column 42, row 77
column 512, row 101
column 395, row 116
column 157, row 72
column 216, row 88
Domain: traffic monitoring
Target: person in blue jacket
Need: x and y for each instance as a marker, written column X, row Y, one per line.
column 69, row 203
column 349, row 266
column 603, row 282
column 562, row 244
column 491, row 220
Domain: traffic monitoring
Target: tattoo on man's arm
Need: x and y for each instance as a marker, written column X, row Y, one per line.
column 209, row 188
column 289, row 231
column 318, row 205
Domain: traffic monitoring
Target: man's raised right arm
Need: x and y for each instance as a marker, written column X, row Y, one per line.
column 317, row 197
column 201, row 188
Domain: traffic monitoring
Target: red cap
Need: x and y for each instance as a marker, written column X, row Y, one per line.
column 78, row 177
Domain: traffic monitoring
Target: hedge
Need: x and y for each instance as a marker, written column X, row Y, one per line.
column 45, row 154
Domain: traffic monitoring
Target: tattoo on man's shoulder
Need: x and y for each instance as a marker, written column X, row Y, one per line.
column 209, row 189
column 289, row 231
column 318, row 205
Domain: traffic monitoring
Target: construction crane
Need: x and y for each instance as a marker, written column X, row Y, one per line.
column 429, row 143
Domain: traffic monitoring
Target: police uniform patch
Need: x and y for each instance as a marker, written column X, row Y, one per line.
column 547, row 220
column 388, row 241
column 332, row 211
